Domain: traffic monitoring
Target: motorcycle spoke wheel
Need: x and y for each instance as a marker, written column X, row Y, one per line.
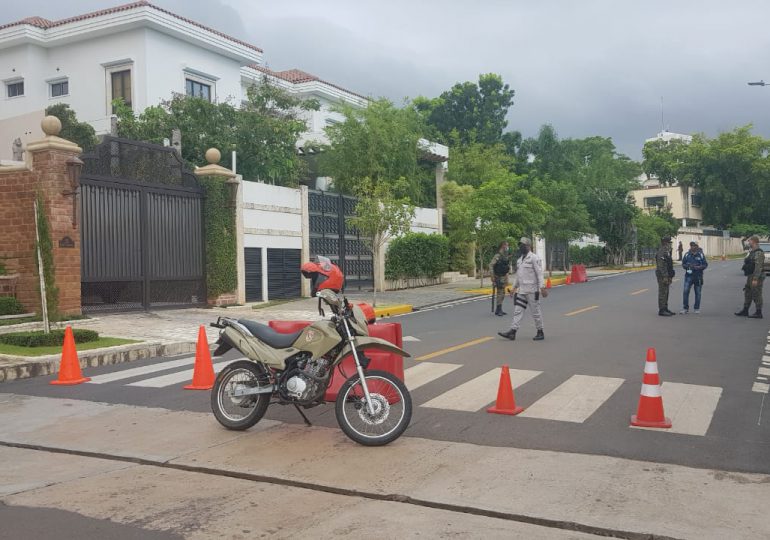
column 239, row 412
column 392, row 409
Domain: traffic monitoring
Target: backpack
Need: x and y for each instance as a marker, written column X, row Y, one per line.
column 749, row 264
column 502, row 266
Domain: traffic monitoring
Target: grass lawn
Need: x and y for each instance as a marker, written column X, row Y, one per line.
column 40, row 351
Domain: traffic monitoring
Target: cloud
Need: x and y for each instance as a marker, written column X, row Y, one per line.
column 595, row 67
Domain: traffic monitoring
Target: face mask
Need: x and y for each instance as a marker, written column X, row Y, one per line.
column 523, row 249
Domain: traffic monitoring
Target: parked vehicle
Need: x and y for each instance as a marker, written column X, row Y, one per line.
column 373, row 408
column 765, row 246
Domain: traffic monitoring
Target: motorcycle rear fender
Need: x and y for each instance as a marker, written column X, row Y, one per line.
column 368, row 342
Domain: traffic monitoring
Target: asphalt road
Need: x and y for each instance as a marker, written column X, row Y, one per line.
column 585, row 377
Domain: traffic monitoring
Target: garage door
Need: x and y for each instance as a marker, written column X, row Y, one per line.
column 284, row 279
column 253, row 259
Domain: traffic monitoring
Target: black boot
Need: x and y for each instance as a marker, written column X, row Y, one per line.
column 499, row 311
column 510, row 334
column 757, row 314
column 664, row 313
column 744, row 312
column 540, row 336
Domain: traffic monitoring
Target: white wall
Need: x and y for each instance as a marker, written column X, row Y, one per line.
column 272, row 216
column 82, row 64
column 425, row 220
column 168, row 59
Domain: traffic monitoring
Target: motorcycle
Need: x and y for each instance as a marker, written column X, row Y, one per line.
column 373, row 408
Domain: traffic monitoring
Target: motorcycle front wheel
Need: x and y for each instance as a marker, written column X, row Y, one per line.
column 392, row 409
column 239, row 412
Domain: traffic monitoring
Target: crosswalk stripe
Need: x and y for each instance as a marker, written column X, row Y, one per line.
column 410, row 338
column 426, row 372
column 175, row 378
column 574, row 400
column 478, row 392
column 760, row 387
column 136, row 372
column 689, row 406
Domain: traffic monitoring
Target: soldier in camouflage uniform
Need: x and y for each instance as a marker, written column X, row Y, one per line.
column 499, row 269
column 664, row 272
column 754, row 270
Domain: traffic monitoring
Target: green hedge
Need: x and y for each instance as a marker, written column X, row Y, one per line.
column 417, row 255
column 589, row 255
column 219, row 219
column 10, row 306
column 46, row 253
column 41, row 339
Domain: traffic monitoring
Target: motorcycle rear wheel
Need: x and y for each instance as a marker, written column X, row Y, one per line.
column 393, row 409
column 239, row 413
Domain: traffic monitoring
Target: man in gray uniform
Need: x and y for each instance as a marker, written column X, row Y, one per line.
column 528, row 286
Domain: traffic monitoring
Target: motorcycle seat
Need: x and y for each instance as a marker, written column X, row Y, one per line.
column 274, row 339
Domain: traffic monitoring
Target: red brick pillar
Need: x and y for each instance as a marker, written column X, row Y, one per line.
column 52, row 158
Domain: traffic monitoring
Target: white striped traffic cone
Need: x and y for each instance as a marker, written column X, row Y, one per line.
column 650, row 412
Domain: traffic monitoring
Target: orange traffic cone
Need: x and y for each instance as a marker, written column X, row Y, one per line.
column 203, row 373
column 69, row 367
column 569, row 280
column 650, row 411
column 548, row 283
column 506, row 403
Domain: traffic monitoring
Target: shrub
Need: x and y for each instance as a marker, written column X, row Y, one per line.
column 10, row 306
column 3, row 271
column 589, row 255
column 41, row 339
column 417, row 255
column 461, row 258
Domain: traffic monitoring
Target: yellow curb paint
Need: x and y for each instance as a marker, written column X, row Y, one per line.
column 453, row 349
column 571, row 313
column 389, row 311
column 640, row 291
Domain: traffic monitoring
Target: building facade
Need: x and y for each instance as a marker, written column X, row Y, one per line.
column 142, row 54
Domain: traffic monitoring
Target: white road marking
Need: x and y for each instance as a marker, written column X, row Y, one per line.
column 410, row 338
column 574, row 400
column 689, row 406
column 478, row 392
column 426, row 372
column 761, row 388
column 136, row 372
column 764, row 371
column 176, row 378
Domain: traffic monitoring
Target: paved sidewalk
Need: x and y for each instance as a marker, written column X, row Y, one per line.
column 563, row 494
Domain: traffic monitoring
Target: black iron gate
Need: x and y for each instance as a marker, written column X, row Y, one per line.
column 331, row 236
column 141, row 229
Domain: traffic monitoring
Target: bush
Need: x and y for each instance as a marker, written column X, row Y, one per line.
column 10, row 306
column 417, row 255
column 41, row 339
column 589, row 255
column 461, row 258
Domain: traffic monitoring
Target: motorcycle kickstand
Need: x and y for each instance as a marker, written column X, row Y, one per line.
column 307, row 422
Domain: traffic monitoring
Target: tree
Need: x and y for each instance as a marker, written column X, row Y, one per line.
column 497, row 210
column 375, row 145
column 81, row 133
column 475, row 111
column 380, row 215
column 263, row 131
column 568, row 219
column 654, row 225
column 731, row 171
column 475, row 163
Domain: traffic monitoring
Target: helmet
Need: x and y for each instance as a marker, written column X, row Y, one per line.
column 323, row 275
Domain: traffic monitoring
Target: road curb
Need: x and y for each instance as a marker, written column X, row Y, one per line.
column 23, row 367
column 396, row 309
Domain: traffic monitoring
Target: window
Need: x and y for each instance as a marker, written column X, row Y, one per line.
column 15, row 89
column 198, row 89
column 659, row 202
column 121, row 86
column 60, row 88
column 696, row 200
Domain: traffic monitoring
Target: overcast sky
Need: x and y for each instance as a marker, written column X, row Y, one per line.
column 591, row 67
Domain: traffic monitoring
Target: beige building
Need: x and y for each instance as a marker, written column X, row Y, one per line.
column 683, row 202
